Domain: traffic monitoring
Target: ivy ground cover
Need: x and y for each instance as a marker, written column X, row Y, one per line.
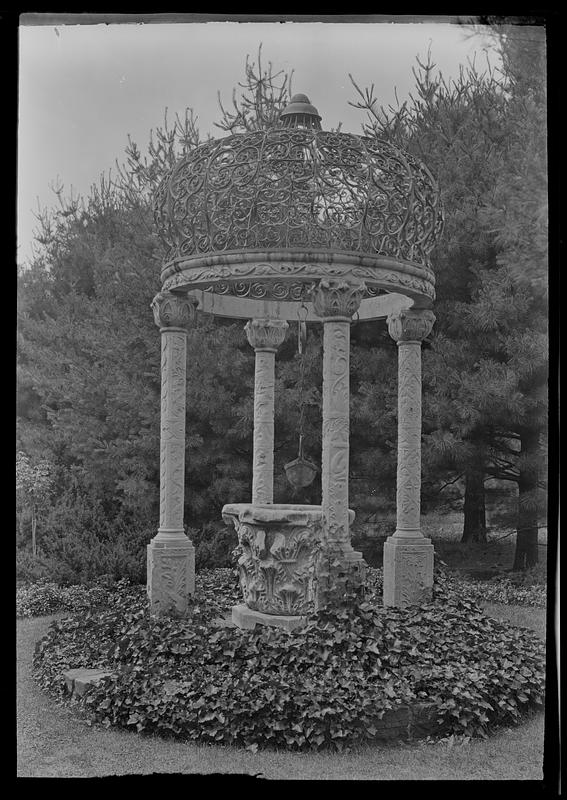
column 325, row 685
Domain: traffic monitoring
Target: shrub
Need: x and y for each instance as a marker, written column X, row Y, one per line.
column 80, row 541
column 499, row 589
column 324, row 685
column 38, row 599
column 31, row 569
column 44, row 597
column 213, row 543
column 42, row 568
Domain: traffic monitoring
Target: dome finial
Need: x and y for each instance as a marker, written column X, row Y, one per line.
column 299, row 113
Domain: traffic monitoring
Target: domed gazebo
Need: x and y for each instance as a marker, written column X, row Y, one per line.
column 257, row 225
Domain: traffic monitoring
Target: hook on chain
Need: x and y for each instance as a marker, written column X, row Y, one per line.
column 301, row 328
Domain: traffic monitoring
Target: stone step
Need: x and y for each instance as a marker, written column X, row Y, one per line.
column 224, row 622
column 247, row 618
column 78, row 681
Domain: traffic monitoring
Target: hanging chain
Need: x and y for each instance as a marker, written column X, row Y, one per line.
column 301, row 472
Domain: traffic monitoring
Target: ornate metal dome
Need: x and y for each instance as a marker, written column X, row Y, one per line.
column 265, row 214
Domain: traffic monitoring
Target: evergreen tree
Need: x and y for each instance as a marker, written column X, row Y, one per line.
column 89, row 375
column 89, row 352
column 483, row 136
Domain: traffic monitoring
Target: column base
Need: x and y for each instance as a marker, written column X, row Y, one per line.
column 341, row 572
column 408, row 571
column 247, row 618
column 171, row 575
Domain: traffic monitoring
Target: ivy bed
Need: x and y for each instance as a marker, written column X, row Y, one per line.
column 358, row 674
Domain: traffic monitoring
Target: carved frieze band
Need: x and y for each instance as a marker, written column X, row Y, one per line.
column 268, row 273
column 172, row 310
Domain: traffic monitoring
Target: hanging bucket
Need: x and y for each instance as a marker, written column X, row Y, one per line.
column 301, row 472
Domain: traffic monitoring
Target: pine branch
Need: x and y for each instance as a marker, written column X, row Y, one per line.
column 449, row 483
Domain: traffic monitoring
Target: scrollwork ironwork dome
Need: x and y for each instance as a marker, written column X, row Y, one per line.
column 265, row 213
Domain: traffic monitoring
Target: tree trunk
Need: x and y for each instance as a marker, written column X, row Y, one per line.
column 474, row 529
column 526, row 554
column 33, row 529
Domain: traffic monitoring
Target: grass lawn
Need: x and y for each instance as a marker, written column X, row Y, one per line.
column 445, row 531
column 52, row 742
column 523, row 616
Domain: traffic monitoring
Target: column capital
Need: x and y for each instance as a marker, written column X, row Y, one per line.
column 410, row 325
column 173, row 310
column 337, row 298
column 266, row 334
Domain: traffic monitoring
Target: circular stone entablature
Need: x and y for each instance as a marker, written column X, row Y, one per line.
column 253, row 221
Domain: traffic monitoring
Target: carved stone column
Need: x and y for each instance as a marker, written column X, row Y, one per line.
column 265, row 336
column 171, row 555
column 408, row 555
column 335, row 302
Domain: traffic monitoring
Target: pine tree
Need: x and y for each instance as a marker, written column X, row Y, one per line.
column 89, row 352
column 89, row 378
column 482, row 135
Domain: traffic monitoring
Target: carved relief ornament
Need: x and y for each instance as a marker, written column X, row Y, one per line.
column 410, row 325
column 266, row 334
column 277, row 566
column 337, row 298
column 276, row 279
column 172, row 310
